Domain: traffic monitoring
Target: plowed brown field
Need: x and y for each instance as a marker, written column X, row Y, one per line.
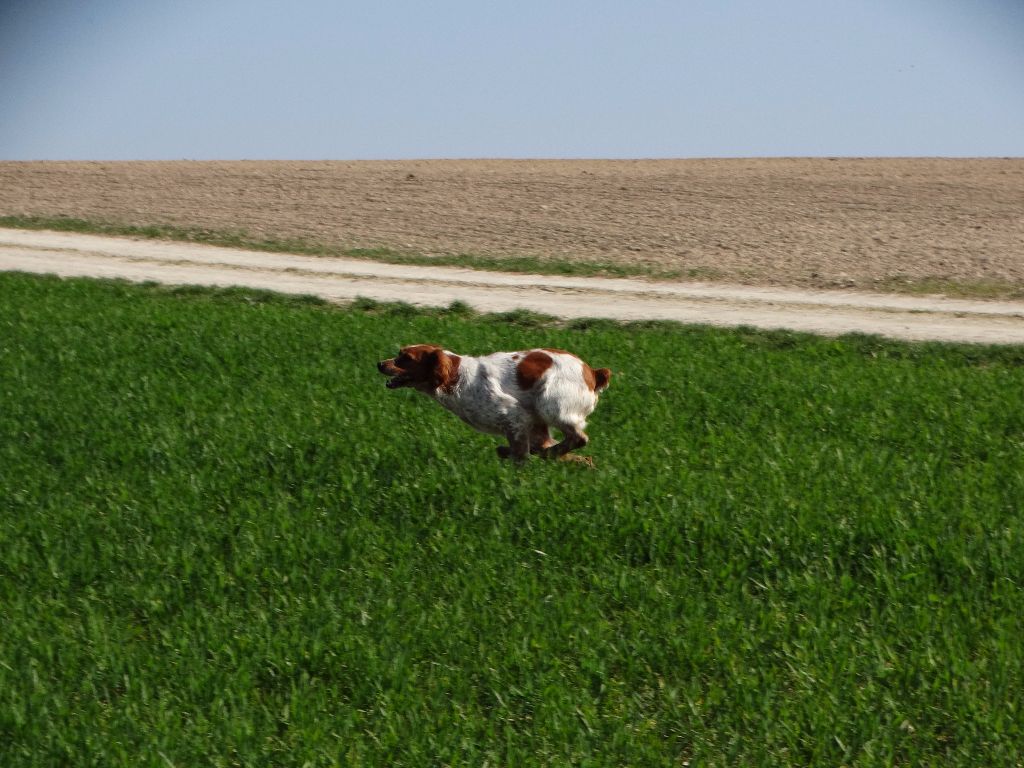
column 866, row 223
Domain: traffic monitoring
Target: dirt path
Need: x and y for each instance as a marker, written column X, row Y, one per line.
column 824, row 312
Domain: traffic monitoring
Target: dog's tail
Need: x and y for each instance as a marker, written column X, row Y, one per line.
column 602, row 378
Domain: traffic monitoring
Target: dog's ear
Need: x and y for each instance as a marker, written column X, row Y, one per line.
column 602, row 378
column 446, row 368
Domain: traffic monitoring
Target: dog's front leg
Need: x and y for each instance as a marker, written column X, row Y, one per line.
column 518, row 448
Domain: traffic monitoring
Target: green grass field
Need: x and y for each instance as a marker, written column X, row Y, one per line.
column 224, row 542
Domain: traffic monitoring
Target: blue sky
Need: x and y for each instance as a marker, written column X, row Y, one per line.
column 312, row 79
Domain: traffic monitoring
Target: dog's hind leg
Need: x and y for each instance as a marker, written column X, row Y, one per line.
column 540, row 438
column 573, row 437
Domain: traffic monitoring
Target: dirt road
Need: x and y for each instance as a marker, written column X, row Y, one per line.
column 824, row 312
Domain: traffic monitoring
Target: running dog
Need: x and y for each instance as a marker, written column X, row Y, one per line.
column 519, row 395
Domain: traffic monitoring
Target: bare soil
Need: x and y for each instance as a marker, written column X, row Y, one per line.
column 876, row 224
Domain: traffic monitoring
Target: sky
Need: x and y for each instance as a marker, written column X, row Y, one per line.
column 405, row 79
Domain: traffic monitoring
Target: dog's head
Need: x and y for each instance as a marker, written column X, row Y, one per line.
column 425, row 367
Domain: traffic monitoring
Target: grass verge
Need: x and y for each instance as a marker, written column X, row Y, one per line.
column 223, row 541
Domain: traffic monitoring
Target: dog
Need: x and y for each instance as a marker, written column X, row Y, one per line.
column 519, row 395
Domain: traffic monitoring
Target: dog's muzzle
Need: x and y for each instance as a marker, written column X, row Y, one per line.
column 387, row 368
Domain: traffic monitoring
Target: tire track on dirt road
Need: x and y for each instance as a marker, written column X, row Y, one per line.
column 340, row 279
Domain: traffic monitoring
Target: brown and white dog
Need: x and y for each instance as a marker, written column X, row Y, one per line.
column 520, row 395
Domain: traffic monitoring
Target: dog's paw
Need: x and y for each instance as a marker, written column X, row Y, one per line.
column 584, row 460
column 505, row 452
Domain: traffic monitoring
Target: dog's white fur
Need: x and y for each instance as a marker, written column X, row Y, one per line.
column 488, row 397
column 519, row 395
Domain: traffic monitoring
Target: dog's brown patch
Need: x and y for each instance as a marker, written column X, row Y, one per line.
column 426, row 367
column 588, row 377
column 448, row 371
column 531, row 368
column 419, row 361
column 597, row 380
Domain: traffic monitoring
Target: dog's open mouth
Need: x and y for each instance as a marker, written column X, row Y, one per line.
column 393, row 372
